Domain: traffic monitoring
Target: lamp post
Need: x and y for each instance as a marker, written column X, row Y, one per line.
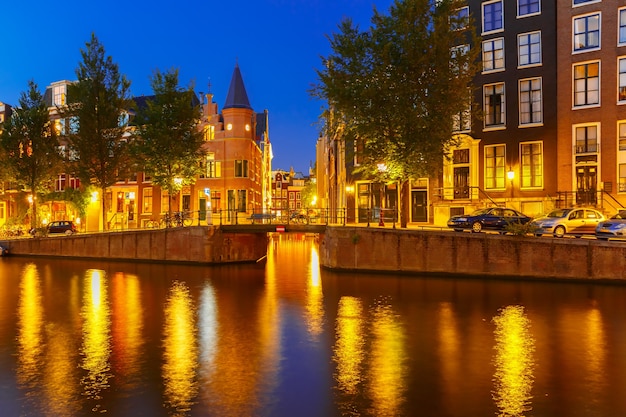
column 382, row 168
column 511, row 175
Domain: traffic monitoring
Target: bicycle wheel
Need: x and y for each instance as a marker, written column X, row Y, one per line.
column 187, row 221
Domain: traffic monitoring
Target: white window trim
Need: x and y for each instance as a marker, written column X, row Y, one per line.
column 495, row 145
column 585, row 3
column 619, row 11
column 519, row 89
column 482, row 15
column 543, row 159
column 503, row 68
column 537, row 64
column 501, row 126
column 522, row 16
column 619, row 102
column 598, row 141
column 595, row 48
column 587, row 106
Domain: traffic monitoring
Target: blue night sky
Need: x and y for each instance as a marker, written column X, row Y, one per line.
column 277, row 44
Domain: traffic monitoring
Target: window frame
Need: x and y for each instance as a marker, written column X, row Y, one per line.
column 621, row 40
column 528, row 2
column 586, row 33
column 486, row 106
column 621, row 80
column 483, row 22
column 587, row 148
column 495, row 174
column 621, row 143
column 493, row 60
column 578, row 3
column 531, row 176
column 528, row 36
column 531, row 101
column 587, row 104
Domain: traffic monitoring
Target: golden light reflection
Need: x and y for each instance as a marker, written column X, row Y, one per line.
column 127, row 325
column 514, row 362
column 180, row 350
column 388, row 362
column 60, row 372
column 208, row 328
column 314, row 300
column 348, row 352
column 96, row 348
column 30, row 341
column 595, row 349
column 450, row 351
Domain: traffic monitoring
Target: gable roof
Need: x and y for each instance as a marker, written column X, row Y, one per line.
column 237, row 96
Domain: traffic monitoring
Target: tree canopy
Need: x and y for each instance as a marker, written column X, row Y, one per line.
column 96, row 105
column 167, row 142
column 30, row 146
column 396, row 88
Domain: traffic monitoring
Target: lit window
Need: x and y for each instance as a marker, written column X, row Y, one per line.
column 587, row 84
column 494, row 104
column 241, row 168
column 621, row 80
column 493, row 54
column 493, row 18
column 621, row 131
column 530, row 101
column 147, row 200
column 586, row 139
column 532, row 165
column 529, row 48
column 587, row 32
column 495, row 159
column 528, row 7
column 622, row 178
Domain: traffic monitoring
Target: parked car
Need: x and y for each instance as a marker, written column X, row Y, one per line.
column 568, row 221
column 4, row 251
column 613, row 228
column 493, row 218
column 66, row 227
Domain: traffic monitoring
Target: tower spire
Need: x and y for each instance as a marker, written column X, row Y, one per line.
column 237, row 96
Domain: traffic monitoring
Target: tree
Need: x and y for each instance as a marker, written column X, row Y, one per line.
column 396, row 88
column 96, row 104
column 30, row 147
column 168, row 143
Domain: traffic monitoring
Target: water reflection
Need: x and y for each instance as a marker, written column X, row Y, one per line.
column 388, row 362
column 30, row 337
column 348, row 352
column 314, row 296
column 96, row 348
column 180, row 350
column 514, row 361
column 127, row 331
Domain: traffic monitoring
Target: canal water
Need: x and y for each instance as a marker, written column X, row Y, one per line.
column 286, row 338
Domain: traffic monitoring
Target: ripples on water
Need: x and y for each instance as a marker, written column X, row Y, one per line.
column 288, row 338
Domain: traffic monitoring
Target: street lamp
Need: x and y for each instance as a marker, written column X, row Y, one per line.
column 382, row 168
column 511, row 175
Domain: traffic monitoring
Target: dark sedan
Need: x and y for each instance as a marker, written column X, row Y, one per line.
column 494, row 218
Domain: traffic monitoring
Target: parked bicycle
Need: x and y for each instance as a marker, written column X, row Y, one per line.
column 177, row 219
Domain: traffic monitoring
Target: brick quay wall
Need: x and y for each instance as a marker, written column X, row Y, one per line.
column 195, row 244
column 468, row 254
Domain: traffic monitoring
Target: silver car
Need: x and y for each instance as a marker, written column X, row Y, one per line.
column 569, row 221
column 613, row 228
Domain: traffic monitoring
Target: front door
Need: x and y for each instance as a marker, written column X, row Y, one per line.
column 419, row 207
column 461, row 182
column 586, row 185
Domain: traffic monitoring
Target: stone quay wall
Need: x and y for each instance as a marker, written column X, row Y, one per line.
column 469, row 254
column 195, row 244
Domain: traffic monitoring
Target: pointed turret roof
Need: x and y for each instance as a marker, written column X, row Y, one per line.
column 237, row 96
